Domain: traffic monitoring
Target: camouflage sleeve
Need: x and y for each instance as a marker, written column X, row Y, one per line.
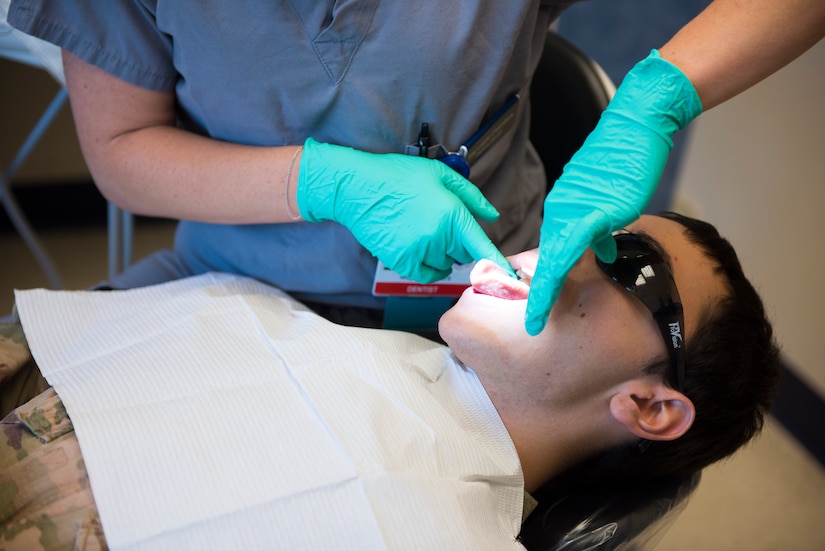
column 45, row 499
column 20, row 380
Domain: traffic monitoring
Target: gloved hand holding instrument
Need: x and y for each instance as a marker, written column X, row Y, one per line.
column 610, row 180
column 416, row 215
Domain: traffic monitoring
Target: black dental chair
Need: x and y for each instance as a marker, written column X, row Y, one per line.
column 630, row 517
column 624, row 517
column 568, row 94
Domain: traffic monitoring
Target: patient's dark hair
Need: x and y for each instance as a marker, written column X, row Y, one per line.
column 731, row 375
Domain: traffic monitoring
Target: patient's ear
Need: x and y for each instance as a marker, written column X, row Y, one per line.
column 652, row 410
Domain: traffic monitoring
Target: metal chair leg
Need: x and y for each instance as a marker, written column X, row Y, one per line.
column 120, row 239
column 10, row 204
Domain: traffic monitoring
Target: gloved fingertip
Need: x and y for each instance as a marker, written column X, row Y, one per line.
column 534, row 326
column 483, row 210
column 481, row 247
column 508, row 268
column 489, row 214
column 605, row 249
column 536, row 317
column 494, row 255
column 502, row 262
column 543, row 294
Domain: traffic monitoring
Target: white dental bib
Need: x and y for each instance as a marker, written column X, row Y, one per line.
column 217, row 413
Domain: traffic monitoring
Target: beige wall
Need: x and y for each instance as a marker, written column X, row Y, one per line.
column 755, row 166
column 25, row 92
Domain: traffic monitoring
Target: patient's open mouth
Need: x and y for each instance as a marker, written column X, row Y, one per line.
column 488, row 278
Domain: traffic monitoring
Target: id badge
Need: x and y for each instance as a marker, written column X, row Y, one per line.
column 388, row 283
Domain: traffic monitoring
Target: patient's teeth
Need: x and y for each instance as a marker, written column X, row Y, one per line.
column 524, row 276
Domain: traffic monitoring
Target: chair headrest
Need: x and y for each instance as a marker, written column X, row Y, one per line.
column 605, row 520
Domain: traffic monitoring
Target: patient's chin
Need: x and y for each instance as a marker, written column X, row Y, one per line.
column 450, row 327
column 470, row 330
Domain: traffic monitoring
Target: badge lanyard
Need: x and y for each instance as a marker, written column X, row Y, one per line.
column 477, row 144
column 412, row 306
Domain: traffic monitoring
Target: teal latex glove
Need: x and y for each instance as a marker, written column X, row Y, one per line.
column 610, row 180
column 415, row 215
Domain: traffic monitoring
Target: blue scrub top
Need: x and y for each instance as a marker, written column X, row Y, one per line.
column 360, row 73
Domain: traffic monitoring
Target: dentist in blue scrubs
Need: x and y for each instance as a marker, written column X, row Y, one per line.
column 280, row 133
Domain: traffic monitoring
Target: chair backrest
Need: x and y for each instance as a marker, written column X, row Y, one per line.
column 568, row 94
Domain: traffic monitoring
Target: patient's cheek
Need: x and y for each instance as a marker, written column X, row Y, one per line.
column 488, row 278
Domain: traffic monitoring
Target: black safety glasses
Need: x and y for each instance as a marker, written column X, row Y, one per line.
column 641, row 269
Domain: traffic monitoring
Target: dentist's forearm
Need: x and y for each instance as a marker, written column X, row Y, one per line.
column 143, row 163
column 733, row 44
column 168, row 172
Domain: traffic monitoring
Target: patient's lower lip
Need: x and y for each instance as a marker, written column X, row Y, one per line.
column 489, row 279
